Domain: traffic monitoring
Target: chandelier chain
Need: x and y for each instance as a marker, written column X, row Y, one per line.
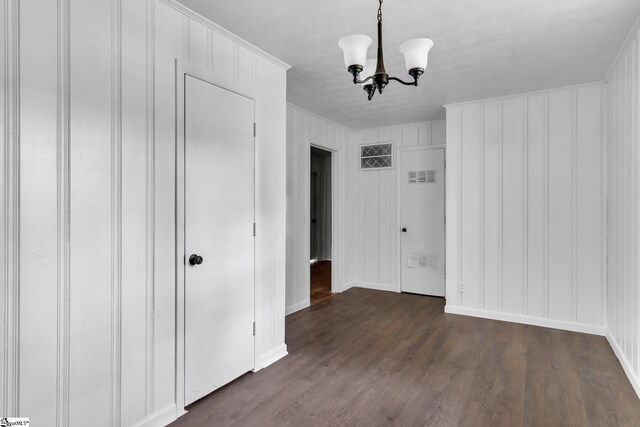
column 380, row 11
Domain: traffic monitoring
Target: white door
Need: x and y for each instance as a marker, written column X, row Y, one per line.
column 421, row 183
column 219, row 216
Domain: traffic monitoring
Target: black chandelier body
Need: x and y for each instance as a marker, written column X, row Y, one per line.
column 416, row 52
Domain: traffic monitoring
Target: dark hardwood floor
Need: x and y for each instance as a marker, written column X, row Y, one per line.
column 374, row 358
column 320, row 281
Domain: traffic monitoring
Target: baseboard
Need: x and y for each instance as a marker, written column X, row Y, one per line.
column 273, row 356
column 347, row 286
column 376, row 286
column 297, row 307
column 159, row 418
column 527, row 320
column 626, row 365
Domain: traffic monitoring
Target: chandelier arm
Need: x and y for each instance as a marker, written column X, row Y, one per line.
column 413, row 83
column 362, row 81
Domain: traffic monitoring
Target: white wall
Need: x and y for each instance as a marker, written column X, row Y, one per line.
column 373, row 205
column 623, row 120
column 303, row 130
column 525, row 200
column 96, row 112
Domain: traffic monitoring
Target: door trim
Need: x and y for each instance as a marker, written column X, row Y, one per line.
column 400, row 150
column 181, row 70
column 336, row 255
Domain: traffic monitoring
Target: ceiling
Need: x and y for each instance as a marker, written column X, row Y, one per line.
column 482, row 49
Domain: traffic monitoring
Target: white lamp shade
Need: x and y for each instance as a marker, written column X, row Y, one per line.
column 369, row 69
column 355, row 49
column 416, row 53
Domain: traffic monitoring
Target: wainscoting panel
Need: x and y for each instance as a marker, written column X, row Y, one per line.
column 137, row 225
column 6, row 389
column 89, row 239
column 40, row 193
column 525, row 223
column 537, row 202
column 470, row 216
column 514, row 208
column 168, row 44
column 373, row 212
column 623, row 118
column 306, row 129
column 560, row 209
column 95, row 212
column 490, row 288
column 10, row 186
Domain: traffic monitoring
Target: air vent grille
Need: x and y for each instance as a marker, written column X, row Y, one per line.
column 421, row 177
column 426, row 261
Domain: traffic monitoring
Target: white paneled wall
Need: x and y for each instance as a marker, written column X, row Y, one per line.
column 525, row 208
column 9, row 193
column 303, row 130
column 623, row 139
column 374, row 258
column 96, row 161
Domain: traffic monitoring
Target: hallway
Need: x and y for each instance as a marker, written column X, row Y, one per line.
column 320, row 281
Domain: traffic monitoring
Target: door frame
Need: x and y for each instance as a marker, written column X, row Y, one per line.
column 182, row 70
column 335, row 249
column 399, row 205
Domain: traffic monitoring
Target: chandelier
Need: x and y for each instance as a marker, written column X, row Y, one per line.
column 354, row 47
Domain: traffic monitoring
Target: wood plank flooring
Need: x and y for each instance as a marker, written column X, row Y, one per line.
column 373, row 358
column 320, row 281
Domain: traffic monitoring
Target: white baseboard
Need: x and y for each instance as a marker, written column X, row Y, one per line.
column 159, row 418
column 626, row 365
column 376, row 286
column 527, row 320
column 347, row 286
column 296, row 307
column 273, row 356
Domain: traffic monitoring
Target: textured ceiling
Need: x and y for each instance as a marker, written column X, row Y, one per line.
column 482, row 48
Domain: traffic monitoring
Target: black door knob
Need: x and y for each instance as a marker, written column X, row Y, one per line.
column 195, row 259
column 404, row 229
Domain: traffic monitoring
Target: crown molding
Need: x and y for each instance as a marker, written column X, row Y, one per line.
column 222, row 31
column 633, row 32
column 518, row 95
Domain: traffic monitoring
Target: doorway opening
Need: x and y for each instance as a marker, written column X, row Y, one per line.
column 320, row 225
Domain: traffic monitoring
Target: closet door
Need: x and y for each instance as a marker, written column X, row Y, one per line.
column 422, row 221
column 219, row 238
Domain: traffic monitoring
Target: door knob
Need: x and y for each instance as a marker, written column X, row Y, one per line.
column 195, row 259
column 404, row 229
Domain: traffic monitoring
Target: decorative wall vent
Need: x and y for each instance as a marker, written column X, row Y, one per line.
column 412, row 261
column 421, row 177
column 376, row 156
column 416, row 177
column 428, row 261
